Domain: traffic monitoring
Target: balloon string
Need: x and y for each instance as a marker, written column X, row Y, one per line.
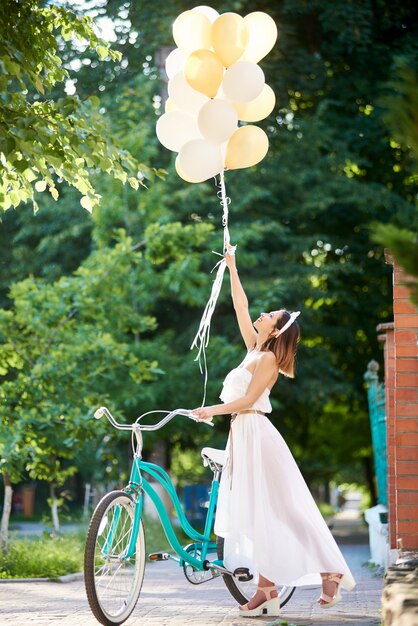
column 201, row 339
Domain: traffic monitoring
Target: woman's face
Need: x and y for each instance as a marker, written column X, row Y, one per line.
column 266, row 323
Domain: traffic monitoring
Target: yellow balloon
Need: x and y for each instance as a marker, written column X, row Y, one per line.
column 204, row 72
column 247, row 146
column 191, row 31
column 263, row 34
column 256, row 109
column 230, row 37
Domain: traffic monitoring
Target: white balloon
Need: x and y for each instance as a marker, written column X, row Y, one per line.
column 175, row 62
column 170, row 106
column 243, row 81
column 224, row 148
column 210, row 13
column 217, row 121
column 199, row 160
column 176, row 128
column 181, row 173
column 184, row 96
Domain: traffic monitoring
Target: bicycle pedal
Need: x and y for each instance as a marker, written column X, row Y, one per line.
column 243, row 574
column 159, row 556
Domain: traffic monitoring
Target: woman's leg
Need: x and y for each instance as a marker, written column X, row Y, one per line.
column 259, row 597
column 330, row 584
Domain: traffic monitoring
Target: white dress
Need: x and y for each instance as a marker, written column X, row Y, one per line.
column 265, row 510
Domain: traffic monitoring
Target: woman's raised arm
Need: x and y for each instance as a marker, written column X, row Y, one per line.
column 240, row 302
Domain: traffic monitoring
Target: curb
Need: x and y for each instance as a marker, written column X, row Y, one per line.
column 67, row 578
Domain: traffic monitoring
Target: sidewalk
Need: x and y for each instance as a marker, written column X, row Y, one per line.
column 168, row 599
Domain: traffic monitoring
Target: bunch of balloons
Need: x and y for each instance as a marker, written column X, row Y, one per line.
column 215, row 82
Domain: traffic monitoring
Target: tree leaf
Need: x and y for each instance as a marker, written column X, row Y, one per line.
column 87, row 203
column 102, row 51
column 54, row 192
column 40, row 185
column 133, row 182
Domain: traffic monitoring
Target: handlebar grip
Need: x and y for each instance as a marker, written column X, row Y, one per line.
column 99, row 413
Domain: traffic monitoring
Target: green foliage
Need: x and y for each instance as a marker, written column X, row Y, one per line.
column 187, row 466
column 403, row 244
column 301, row 220
column 45, row 141
column 401, row 104
column 57, row 361
column 326, row 509
column 401, row 116
column 68, row 346
column 45, row 557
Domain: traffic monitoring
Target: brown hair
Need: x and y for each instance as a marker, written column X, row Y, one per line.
column 284, row 346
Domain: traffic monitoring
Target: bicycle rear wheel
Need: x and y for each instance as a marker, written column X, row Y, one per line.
column 113, row 582
column 241, row 591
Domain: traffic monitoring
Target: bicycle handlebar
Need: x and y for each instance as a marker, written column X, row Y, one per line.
column 171, row 414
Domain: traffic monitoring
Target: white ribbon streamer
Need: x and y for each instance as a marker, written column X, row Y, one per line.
column 201, row 339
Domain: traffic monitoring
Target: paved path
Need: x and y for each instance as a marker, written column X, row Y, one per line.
column 168, row 599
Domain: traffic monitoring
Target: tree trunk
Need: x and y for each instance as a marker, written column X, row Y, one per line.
column 87, row 496
column 7, row 509
column 54, row 510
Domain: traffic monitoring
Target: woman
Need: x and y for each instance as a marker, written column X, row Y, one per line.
column 266, row 513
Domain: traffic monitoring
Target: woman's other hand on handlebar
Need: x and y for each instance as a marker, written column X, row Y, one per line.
column 203, row 414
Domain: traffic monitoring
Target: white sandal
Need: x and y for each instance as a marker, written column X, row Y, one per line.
column 330, row 601
column 270, row 607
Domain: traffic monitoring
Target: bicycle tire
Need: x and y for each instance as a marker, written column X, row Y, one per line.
column 242, row 592
column 113, row 603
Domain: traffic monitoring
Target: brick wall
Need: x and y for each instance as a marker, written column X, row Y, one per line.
column 401, row 378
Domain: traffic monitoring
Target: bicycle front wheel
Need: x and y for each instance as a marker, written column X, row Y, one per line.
column 243, row 591
column 113, row 581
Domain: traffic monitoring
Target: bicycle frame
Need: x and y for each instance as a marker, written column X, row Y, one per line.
column 138, row 481
column 138, row 485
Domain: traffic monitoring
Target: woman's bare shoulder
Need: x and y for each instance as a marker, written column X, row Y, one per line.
column 267, row 357
column 267, row 361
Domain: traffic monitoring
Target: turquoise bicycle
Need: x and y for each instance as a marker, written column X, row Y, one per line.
column 114, row 560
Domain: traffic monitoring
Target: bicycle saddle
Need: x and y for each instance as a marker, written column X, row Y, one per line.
column 213, row 457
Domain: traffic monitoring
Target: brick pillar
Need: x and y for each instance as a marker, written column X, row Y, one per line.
column 402, row 417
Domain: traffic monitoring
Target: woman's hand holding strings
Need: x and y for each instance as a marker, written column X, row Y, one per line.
column 230, row 257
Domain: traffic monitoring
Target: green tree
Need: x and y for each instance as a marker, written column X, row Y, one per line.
column 68, row 346
column 301, row 218
column 45, row 141
column 401, row 117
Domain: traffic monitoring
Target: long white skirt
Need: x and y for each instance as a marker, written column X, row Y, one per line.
column 266, row 512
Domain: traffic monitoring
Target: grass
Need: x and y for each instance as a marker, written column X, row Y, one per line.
column 49, row 557
column 43, row 557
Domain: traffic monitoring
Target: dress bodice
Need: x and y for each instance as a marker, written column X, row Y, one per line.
column 235, row 386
